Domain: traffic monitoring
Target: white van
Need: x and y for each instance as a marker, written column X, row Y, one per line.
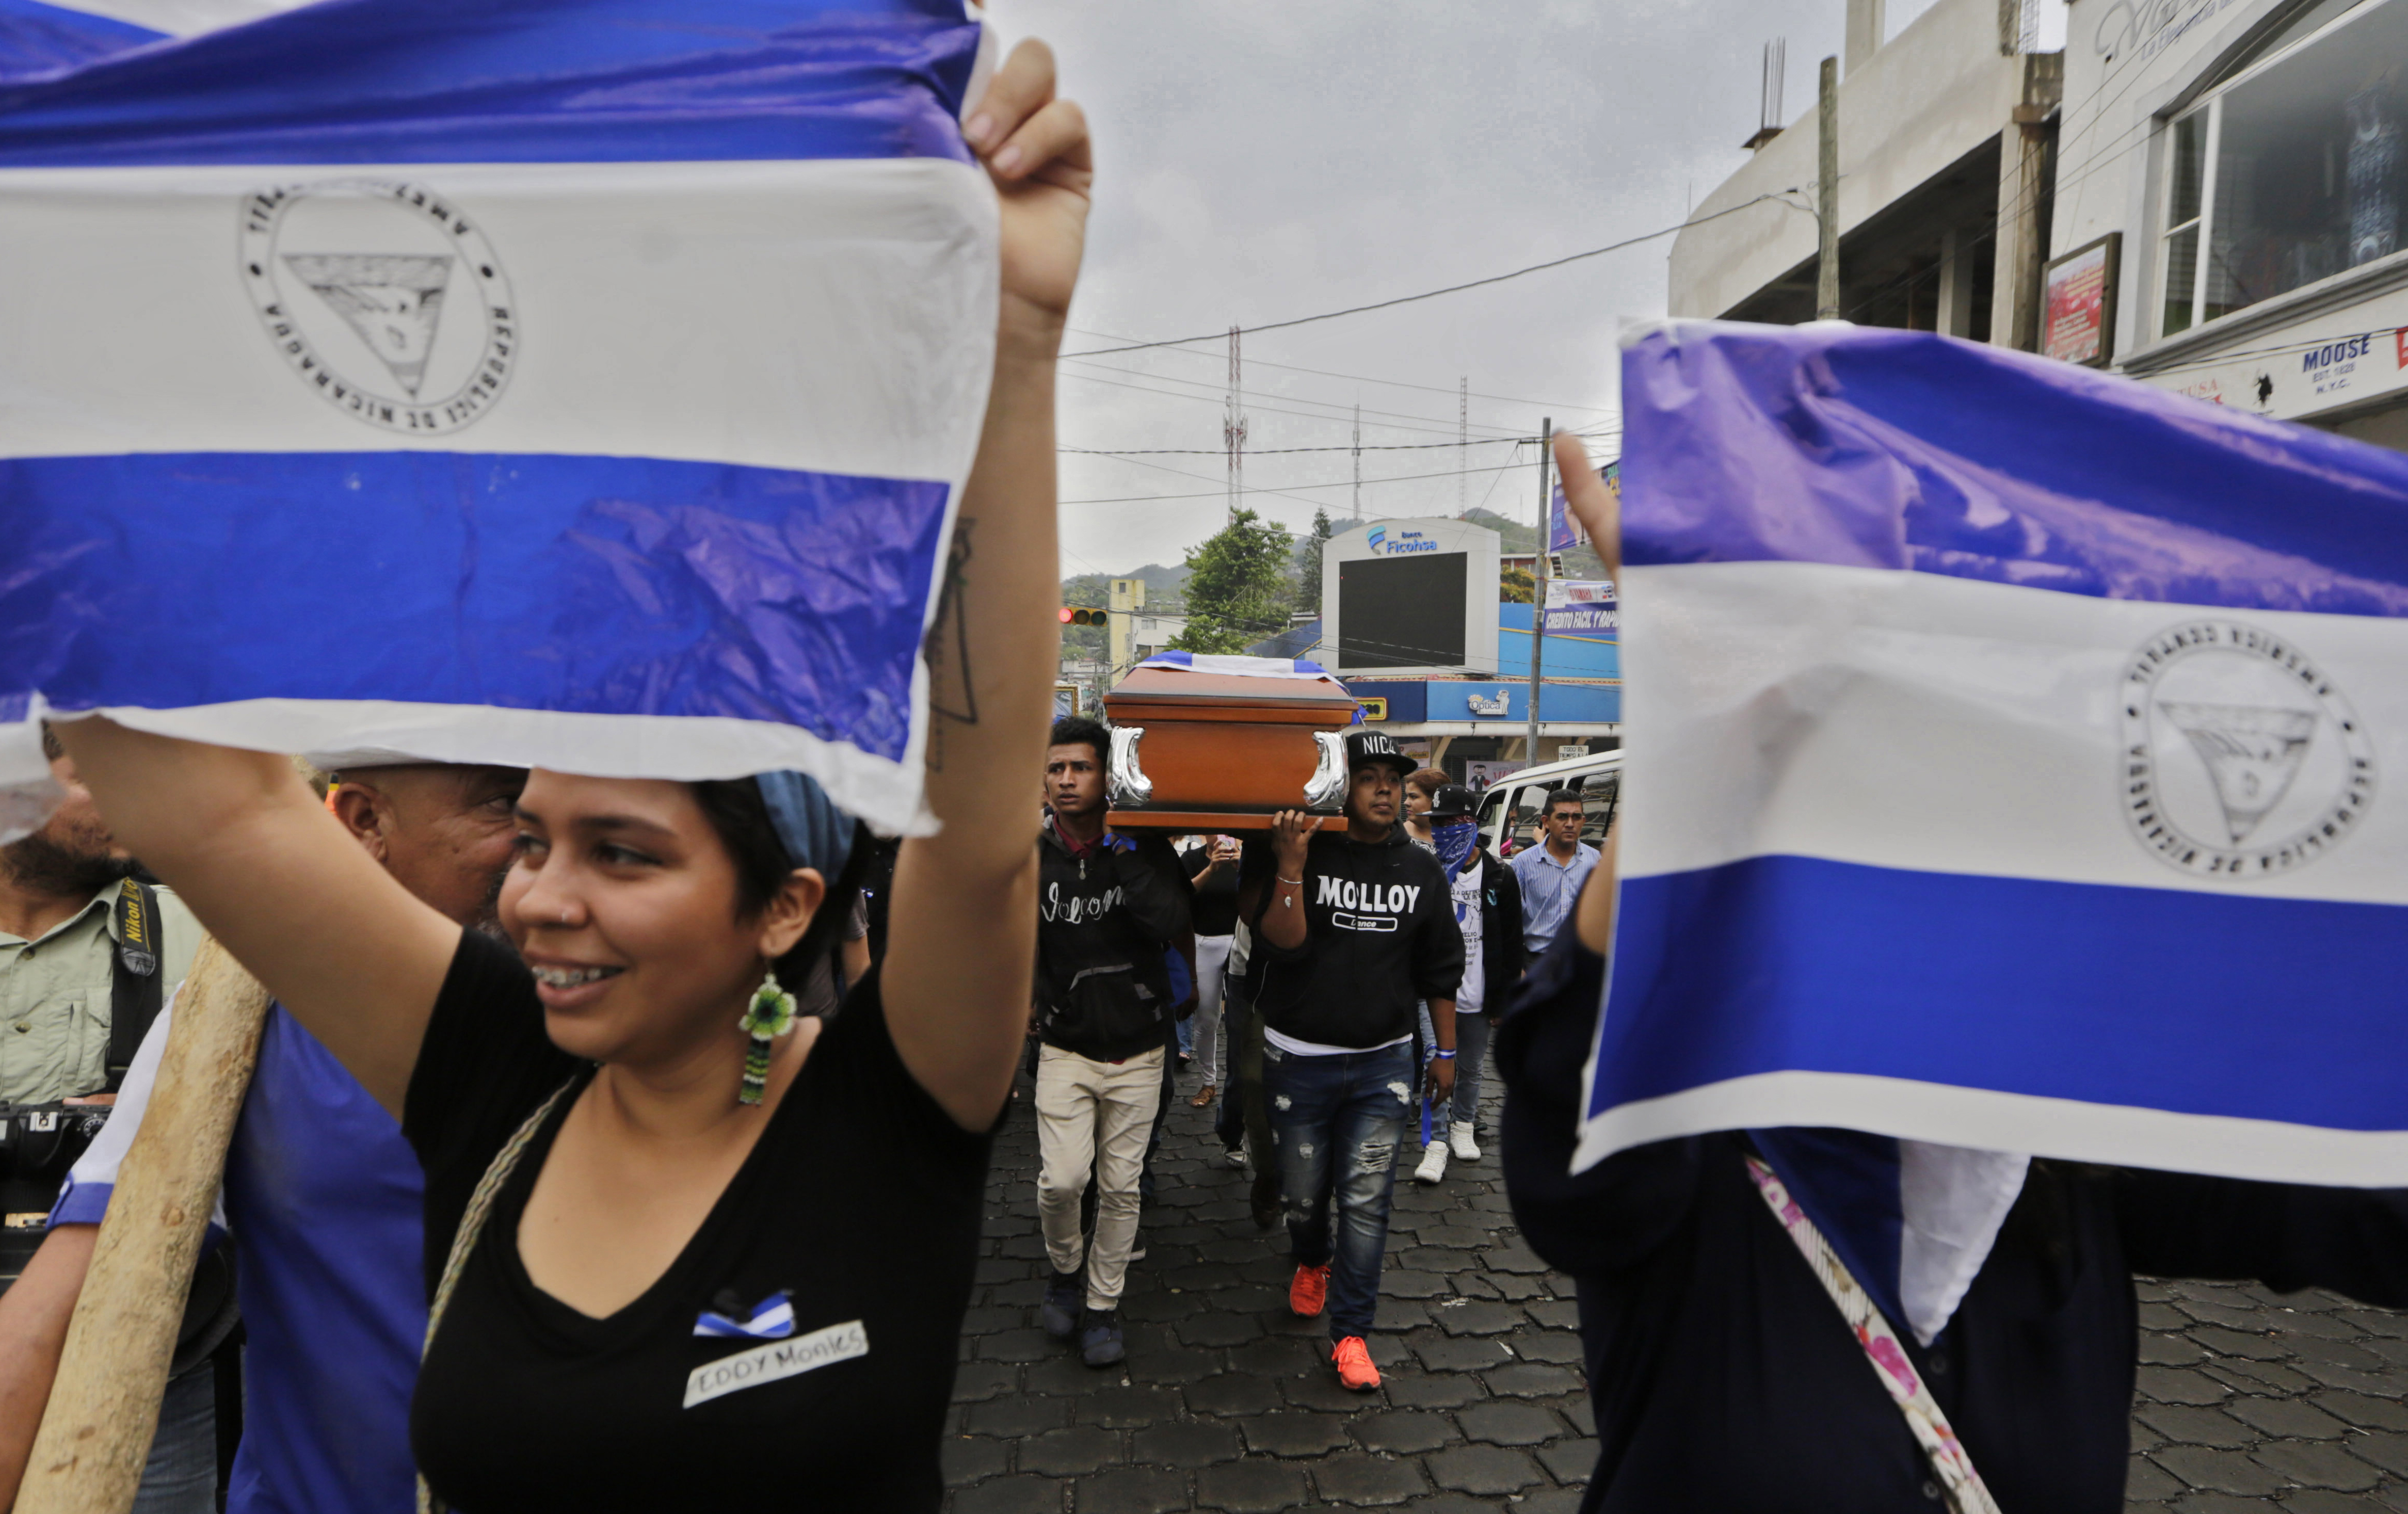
column 1511, row 809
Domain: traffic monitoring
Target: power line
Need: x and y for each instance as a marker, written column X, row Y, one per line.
column 1218, row 393
column 1254, row 489
column 1219, row 397
column 1430, row 295
column 1273, row 451
column 1356, row 378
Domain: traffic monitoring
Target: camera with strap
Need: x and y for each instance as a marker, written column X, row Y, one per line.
column 40, row 1143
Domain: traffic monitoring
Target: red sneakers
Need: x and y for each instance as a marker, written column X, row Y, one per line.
column 1309, row 1291
column 1354, row 1361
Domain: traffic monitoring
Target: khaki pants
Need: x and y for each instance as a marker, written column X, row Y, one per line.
column 1093, row 1115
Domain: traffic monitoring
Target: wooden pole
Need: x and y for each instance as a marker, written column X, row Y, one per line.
column 104, row 1406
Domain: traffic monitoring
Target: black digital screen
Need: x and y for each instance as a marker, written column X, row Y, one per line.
column 1401, row 611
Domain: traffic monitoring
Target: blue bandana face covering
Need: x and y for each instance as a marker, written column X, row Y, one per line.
column 1454, row 842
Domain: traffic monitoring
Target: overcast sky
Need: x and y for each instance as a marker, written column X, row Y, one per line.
column 1260, row 160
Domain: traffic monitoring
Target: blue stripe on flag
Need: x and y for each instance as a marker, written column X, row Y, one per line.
column 1868, row 447
column 600, row 584
column 2278, row 1010
column 36, row 38
column 395, row 81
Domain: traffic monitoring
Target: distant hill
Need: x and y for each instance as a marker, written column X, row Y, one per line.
column 1165, row 587
column 1514, row 536
column 1580, row 563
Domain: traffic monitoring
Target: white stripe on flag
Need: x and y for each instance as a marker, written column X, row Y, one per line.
column 685, row 747
column 2075, row 1130
column 801, row 315
column 1940, row 725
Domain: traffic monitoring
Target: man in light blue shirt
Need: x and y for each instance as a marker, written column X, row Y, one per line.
column 1552, row 875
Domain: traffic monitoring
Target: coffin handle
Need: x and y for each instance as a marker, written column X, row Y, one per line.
column 1326, row 788
column 1126, row 782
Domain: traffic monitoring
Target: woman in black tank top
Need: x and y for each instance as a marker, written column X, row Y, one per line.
column 685, row 1252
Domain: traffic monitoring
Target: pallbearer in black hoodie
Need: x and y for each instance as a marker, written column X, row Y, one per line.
column 1105, row 915
column 1349, row 932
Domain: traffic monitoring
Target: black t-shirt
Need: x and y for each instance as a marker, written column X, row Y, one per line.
column 1216, row 904
column 862, row 1197
column 1379, row 934
column 1723, row 1380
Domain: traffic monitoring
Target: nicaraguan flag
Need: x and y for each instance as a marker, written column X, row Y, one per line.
column 2013, row 751
column 1253, row 668
column 37, row 38
column 583, row 383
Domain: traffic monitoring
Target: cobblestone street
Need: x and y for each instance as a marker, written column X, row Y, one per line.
column 2248, row 1400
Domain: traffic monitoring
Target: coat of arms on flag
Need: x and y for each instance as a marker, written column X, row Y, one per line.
column 2010, row 747
column 576, row 383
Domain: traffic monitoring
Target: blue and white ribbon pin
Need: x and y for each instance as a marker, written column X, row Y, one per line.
column 772, row 1318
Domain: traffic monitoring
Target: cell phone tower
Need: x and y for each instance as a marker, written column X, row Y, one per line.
column 1358, row 462
column 1233, row 431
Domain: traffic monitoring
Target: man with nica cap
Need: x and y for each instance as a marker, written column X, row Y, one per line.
column 1351, row 929
column 1487, row 902
column 321, row 1188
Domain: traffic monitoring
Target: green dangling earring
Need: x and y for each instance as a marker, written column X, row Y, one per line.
column 770, row 1015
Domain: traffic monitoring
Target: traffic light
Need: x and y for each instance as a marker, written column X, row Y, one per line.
column 1073, row 615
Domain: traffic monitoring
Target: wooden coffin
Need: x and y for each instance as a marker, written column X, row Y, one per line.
column 1222, row 752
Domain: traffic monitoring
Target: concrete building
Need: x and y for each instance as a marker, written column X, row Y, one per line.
column 1134, row 634
column 2233, row 178
column 1947, row 131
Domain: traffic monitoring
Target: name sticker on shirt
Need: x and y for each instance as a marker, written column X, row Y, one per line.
column 778, row 1360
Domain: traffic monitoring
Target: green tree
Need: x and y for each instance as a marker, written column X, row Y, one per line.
column 1237, row 586
column 1308, row 564
column 1515, row 585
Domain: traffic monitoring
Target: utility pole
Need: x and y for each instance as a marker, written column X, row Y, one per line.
column 1462, row 444
column 1359, row 461
column 1233, row 432
column 1539, row 588
column 1826, row 272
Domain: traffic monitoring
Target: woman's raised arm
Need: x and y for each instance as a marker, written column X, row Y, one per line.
column 962, row 938
column 347, row 949
column 1599, row 513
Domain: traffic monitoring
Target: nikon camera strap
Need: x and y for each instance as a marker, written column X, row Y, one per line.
column 136, row 989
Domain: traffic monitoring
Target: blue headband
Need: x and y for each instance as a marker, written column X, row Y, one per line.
column 815, row 832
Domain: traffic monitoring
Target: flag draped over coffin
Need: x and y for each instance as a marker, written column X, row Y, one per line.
column 2016, row 761
column 582, row 383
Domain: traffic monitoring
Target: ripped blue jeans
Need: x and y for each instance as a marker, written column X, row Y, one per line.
column 1338, row 1123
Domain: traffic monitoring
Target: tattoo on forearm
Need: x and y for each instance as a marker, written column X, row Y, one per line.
column 952, row 696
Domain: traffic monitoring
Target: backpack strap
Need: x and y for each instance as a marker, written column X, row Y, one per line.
column 1950, row 1464
column 136, row 987
column 463, row 1241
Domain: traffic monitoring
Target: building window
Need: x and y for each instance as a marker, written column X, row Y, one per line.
column 2290, row 173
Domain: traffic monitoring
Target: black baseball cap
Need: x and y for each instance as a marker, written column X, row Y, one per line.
column 1364, row 747
column 1453, row 801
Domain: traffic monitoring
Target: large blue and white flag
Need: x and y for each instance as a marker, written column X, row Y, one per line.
column 583, row 383
column 2011, row 750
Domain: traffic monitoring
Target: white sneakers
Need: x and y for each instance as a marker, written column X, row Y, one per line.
column 1434, row 1155
column 1433, row 1165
